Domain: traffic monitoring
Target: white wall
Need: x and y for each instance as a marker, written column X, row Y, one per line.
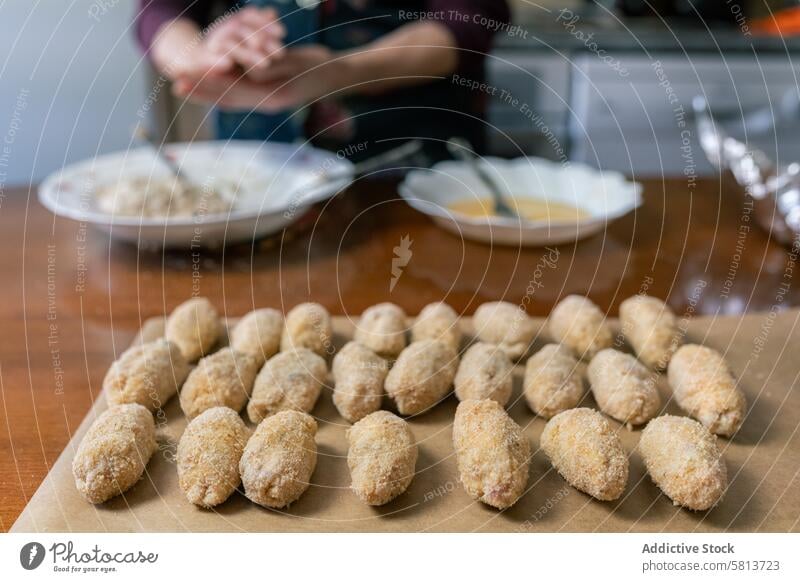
column 70, row 84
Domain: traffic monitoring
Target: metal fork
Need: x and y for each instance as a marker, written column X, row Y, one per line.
column 462, row 150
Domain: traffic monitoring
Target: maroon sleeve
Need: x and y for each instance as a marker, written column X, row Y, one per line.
column 152, row 14
column 473, row 24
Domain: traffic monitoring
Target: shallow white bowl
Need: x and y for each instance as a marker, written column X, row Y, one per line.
column 276, row 183
column 604, row 195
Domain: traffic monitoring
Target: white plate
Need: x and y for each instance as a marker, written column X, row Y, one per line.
column 276, row 184
column 604, row 195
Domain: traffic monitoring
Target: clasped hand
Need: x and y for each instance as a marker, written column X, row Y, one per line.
column 242, row 63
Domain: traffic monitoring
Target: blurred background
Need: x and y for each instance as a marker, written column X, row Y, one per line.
column 74, row 82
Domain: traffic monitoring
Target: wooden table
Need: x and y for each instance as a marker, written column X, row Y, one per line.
column 70, row 300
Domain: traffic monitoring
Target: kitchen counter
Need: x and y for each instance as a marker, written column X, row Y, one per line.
column 71, row 300
column 613, row 93
column 561, row 31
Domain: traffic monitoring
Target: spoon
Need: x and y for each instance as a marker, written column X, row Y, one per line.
column 305, row 193
column 461, row 149
column 142, row 135
column 394, row 155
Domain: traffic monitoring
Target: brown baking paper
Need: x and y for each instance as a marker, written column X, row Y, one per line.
column 763, row 462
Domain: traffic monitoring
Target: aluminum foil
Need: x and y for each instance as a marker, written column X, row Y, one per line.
column 775, row 190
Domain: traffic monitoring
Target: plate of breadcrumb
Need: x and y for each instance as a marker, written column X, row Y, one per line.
column 196, row 194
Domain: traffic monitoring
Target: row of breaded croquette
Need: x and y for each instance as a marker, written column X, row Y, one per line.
column 427, row 368
column 275, row 462
column 422, row 375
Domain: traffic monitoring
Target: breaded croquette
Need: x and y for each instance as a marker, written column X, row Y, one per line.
column 194, row 327
column 492, row 453
column 208, row 456
column 421, row 376
column 359, row 374
column 585, row 450
column 259, row 334
column 114, row 453
column 506, row 325
column 308, row 325
column 288, row 381
column 683, row 459
column 382, row 328
column 485, row 371
column 279, row 459
column 437, row 321
column 147, row 374
column 651, row 329
column 225, row 378
column 579, row 324
column 623, row 388
column 382, row 457
column 705, row 388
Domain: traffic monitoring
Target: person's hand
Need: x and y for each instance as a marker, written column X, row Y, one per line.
column 302, row 75
column 251, row 37
column 177, row 53
column 196, row 62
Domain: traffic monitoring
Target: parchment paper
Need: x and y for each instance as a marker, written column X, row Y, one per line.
column 763, row 462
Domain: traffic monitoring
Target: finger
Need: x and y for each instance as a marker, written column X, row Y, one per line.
column 263, row 40
column 249, row 59
column 236, row 93
column 216, row 64
column 276, row 50
column 279, row 71
column 266, row 20
column 181, row 87
column 260, row 74
column 226, row 31
column 217, row 44
column 260, row 40
column 206, row 63
column 239, row 53
column 261, row 30
column 202, row 92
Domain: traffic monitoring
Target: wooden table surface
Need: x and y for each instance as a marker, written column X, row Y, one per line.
column 70, row 300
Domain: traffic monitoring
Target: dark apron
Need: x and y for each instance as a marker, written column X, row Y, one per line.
column 368, row 124
column 301, row 28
